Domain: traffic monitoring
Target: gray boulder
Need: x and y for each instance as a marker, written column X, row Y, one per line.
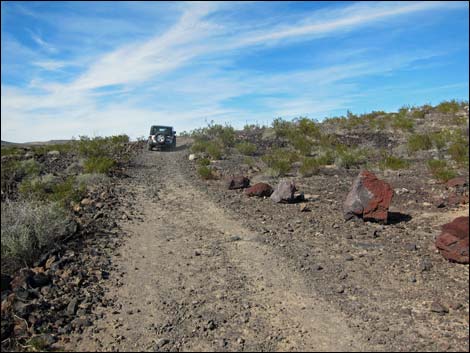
column 284, row 192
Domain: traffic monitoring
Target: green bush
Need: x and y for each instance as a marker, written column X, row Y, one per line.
column 282, row 127
column 451, row 106
column 101, row 146
column 246, row 148
column 223, row 135
column 440, row 170
column 204, row 161
column 98, row 165
column 401, row 121
column 458, row 150
column 214, row 150
column 30, row 227
column 347, row 157
column 51, row 188
column 205, row 172
column 199, row 146
column 310, row 166
column 418, row 142
column 392, row 162
column 301, row 143
column 280, row 160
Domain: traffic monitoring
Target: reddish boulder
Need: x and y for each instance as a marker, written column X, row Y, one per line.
column 368, row 198
column 453, row 242
column 259, row 189
column 456, row 182
column 238, row 182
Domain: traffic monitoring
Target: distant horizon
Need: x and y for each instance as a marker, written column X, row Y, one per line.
column 100, row 69
column 266, row 124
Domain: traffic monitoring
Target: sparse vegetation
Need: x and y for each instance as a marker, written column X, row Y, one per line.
column 440, row 170
column 98, row 165
column 280, row 160
column 393, row 162
column 205, row 172
column 30, row 227
column 246, row 148
column 419, row 142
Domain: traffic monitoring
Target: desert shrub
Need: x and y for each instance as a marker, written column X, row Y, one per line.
column 205, row 172
column 392, row 162
column 346, row 157
column 440, row 138
column 418, row 113
column 204, row 161
column 214, row 150
column 224, row 135
column 458, row 149
column 246, row 148
column 51, row 188
column 418, row 142
column 30, row 167
column 199, row 146
column 96, row 164
column 301, row 143
column 11, row 151
column 110, row 146
column 61, row 147
column 440, row 170
column 280, row 160
column 310, row 166
column 90, row 179
column 281, row 127
column 401, row 120
column 451, row 106
column 249, row 161
column 30, row 227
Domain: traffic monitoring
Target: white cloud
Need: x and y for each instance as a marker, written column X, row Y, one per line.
column 139, row 72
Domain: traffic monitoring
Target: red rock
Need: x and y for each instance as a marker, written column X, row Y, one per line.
column 259, row 189
column 238, row 182
column 455, row 182
column 453, row 242
column 368, row 198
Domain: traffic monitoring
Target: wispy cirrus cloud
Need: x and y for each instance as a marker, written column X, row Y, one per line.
column 201, row 66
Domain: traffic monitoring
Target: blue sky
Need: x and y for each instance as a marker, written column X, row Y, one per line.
column 101, row 68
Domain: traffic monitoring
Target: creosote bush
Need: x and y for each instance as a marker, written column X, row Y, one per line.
column 98, row 165
column 205, row 172
column 440, row 170
column 393, row 162
column 30, row 227
column 280, row 160
column 246, row 148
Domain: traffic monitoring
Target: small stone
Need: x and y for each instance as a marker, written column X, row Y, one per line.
column 349, row 258
column 72, row 307
column 411, row 247
column 437, row 307
column 339, row 289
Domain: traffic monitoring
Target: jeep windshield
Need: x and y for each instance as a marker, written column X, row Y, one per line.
column 160, row 129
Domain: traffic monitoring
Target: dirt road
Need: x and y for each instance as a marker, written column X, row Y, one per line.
column 191, row 278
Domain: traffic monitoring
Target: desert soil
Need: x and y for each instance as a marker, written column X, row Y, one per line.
column 203, row 268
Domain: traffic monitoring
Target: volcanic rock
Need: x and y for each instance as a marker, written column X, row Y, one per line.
column 238, row 182
column 259, row 189
column 368, row 198
column 453, row 242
